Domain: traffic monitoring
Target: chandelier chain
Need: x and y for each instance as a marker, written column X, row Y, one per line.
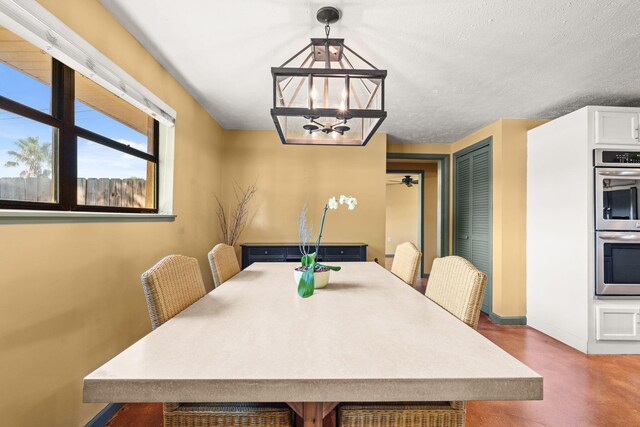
column 327, row 29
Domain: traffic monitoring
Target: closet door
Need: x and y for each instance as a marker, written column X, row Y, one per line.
column 462, row 207
column 472, row 212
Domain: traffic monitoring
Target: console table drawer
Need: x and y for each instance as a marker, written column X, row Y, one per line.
column 270, row 251
column 293, row 252
column 341, row 259
column 273, row 252
column 342, row 251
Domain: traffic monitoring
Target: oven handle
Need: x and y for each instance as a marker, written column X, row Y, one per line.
column 633, row 173
column 619, row 237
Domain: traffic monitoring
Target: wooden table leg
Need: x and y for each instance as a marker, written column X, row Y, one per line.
column 313, row 412
column 330, row 420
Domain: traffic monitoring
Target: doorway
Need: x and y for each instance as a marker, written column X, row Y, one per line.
column 404, row 212
column 435, row 201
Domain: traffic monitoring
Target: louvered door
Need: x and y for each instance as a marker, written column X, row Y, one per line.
column 463, row 207
column 472, row 212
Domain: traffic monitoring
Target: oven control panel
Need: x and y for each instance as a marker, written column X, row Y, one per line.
column 617, row 158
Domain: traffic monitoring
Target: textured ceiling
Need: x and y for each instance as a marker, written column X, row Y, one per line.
column 454, row 66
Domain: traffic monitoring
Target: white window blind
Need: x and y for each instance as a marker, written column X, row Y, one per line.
column 34, row 23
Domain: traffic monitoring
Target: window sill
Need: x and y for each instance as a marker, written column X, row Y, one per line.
column 17, row 216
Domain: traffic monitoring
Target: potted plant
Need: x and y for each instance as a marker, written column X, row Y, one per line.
column 311, row 274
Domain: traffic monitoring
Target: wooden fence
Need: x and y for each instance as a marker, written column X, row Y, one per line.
column 130, row 193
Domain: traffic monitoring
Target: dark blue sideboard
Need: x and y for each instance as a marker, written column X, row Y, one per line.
column 290, row 252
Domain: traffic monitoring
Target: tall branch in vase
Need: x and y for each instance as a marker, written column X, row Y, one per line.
column 305, row 230
column 233, row 221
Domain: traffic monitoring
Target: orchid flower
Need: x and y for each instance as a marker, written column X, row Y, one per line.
column 332, row 203
column 352, row 203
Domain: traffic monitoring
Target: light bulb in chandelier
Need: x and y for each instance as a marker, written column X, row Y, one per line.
column 314, row 95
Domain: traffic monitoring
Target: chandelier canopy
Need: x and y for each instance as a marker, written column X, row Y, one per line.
column 334, row 96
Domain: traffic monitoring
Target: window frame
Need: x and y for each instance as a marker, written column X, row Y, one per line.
column 62, row 117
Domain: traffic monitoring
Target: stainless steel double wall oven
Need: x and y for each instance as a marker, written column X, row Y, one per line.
column 617, row 181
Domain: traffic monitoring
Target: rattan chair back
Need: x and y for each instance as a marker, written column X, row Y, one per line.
column 457, row 286
column 402, row 414
column 406, row 261
column 170, row 286
column 227, row 415
column 224, row 264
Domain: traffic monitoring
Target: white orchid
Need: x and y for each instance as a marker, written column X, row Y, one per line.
column 349, row 201
column 332, row 203
column 352, row 203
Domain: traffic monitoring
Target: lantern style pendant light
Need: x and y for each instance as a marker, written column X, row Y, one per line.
column 334, row 96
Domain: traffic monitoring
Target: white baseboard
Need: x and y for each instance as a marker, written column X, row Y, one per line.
column 614, row 347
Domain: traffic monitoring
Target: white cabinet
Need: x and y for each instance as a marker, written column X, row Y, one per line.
column 615, row 127
column 617, row 323
column 561, row 244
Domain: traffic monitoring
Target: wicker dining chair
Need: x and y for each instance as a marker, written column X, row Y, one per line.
column 458, row 287
column 223, row 262
column 405, row 262
column 170, row 286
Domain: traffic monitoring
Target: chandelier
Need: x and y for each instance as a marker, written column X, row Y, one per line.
column 334, row 96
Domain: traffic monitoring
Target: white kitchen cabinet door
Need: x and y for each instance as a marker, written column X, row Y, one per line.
column 617, row 323
column 617, row 128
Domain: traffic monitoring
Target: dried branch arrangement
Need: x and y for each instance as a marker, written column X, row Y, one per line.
column 304, row 231
column 233, row 222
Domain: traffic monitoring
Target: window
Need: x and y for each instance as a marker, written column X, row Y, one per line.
column 67, row 143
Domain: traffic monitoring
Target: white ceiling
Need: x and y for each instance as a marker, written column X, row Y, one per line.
column 454, row 66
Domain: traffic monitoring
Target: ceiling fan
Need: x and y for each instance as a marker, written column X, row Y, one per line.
column 407, row 180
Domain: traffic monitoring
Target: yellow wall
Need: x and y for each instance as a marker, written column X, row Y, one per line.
column 430, row 197
column 71, row 293
column 288, row 176
column 402, row 215
column 509, row 205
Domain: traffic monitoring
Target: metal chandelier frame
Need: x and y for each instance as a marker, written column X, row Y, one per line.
column 352, row 106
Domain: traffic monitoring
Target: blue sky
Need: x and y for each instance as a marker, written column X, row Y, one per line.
column 94, row 160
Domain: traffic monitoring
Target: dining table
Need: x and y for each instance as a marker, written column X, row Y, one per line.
column 366, row 337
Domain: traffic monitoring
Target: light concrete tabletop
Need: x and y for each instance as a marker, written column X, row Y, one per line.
column 366, row 337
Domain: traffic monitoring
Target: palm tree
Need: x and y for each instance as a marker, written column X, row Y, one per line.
column 34, row 156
